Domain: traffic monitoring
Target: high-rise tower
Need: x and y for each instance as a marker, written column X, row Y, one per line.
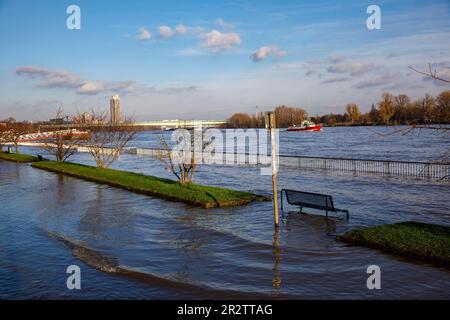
column 114, row 103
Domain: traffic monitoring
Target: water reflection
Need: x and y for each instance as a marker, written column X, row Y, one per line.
column 276, row 282
column 220, row 249
column 92, row 222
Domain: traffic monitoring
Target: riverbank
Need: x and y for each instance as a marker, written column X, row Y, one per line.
column 197, row 195
column 16, row 157
column 428, row 242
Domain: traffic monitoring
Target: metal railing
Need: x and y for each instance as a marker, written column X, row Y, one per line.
column 431, row 170
column 427, row 170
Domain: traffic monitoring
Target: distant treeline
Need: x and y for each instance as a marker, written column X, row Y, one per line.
column 390, row 110
column 285, row 117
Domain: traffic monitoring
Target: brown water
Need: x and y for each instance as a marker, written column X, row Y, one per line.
column 159, row 249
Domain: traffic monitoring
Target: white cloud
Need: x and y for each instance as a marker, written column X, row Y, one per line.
column 181, row 29
column 383, row 79
column 49, row 78
column 225, row 25
column 168, row 32
column 391, row 55
column 191, row 52
column 144, row 34
column 124, row 87
column 67, row 80
column 264, row 52
column 176, row 90
column 91, row 87
column 337, row 59
column 165, row 31
column 354, row 69
column 218, row 41
column 334, row 80
column 313, row 62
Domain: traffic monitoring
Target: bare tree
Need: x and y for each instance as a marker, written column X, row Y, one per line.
column 107, row 141
column 5, row 135
column 401, row 104
column 432, row 72
column 386, row 107
column 288, row 116
column 436, row 113
column 441, row 105
column 374, row 114
column 353, row 112
column 63, row 142
column 180, row 160
column 18, row 129
column 427, row 105
column 442, row 108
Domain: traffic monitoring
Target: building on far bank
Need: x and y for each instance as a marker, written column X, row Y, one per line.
column 114, row 104
column 57, row 121
column 86, row 117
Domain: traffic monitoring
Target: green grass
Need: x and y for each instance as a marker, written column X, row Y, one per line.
column 194, row 194
column 413, row 239
column 16, row 157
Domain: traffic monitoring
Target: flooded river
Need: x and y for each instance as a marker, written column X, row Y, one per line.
column 166, row 250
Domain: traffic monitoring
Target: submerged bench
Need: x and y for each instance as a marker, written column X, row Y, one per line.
column 310, row 200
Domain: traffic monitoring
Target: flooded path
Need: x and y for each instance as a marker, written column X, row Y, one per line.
column 170, row 250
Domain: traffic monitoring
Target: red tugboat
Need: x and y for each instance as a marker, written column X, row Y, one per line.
column 306, row 126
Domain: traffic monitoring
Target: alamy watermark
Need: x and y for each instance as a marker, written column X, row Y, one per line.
column 225, row 147
column 73, row 21
column 373, row 22
column 74, row 280
column 374, row 280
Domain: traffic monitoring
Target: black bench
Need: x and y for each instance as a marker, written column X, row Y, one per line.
column 310, row 200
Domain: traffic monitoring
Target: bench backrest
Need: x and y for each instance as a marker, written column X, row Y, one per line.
column 309, row 199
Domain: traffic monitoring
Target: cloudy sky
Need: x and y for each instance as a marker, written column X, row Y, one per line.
column 209, row 59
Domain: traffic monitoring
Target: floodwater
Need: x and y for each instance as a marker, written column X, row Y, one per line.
column 380, row 143
column 166, row 250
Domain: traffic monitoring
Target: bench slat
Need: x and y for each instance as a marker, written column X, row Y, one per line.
column 310, row 200
column 319, row 201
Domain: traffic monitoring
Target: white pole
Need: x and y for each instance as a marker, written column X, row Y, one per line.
column 272, row 126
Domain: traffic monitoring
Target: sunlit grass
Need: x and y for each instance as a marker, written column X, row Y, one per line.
column 194, row 194
column 414, row 239
column 16, row 157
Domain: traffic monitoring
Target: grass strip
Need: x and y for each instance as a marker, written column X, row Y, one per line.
column 16, row 157
column 428, row 242
column 194, row 194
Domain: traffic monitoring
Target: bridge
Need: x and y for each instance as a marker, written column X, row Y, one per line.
column 177, row 123
column 181, row 123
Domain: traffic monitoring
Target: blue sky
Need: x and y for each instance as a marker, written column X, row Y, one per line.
column 209, row 59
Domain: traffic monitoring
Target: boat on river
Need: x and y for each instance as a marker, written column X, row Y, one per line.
column 306, row 125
